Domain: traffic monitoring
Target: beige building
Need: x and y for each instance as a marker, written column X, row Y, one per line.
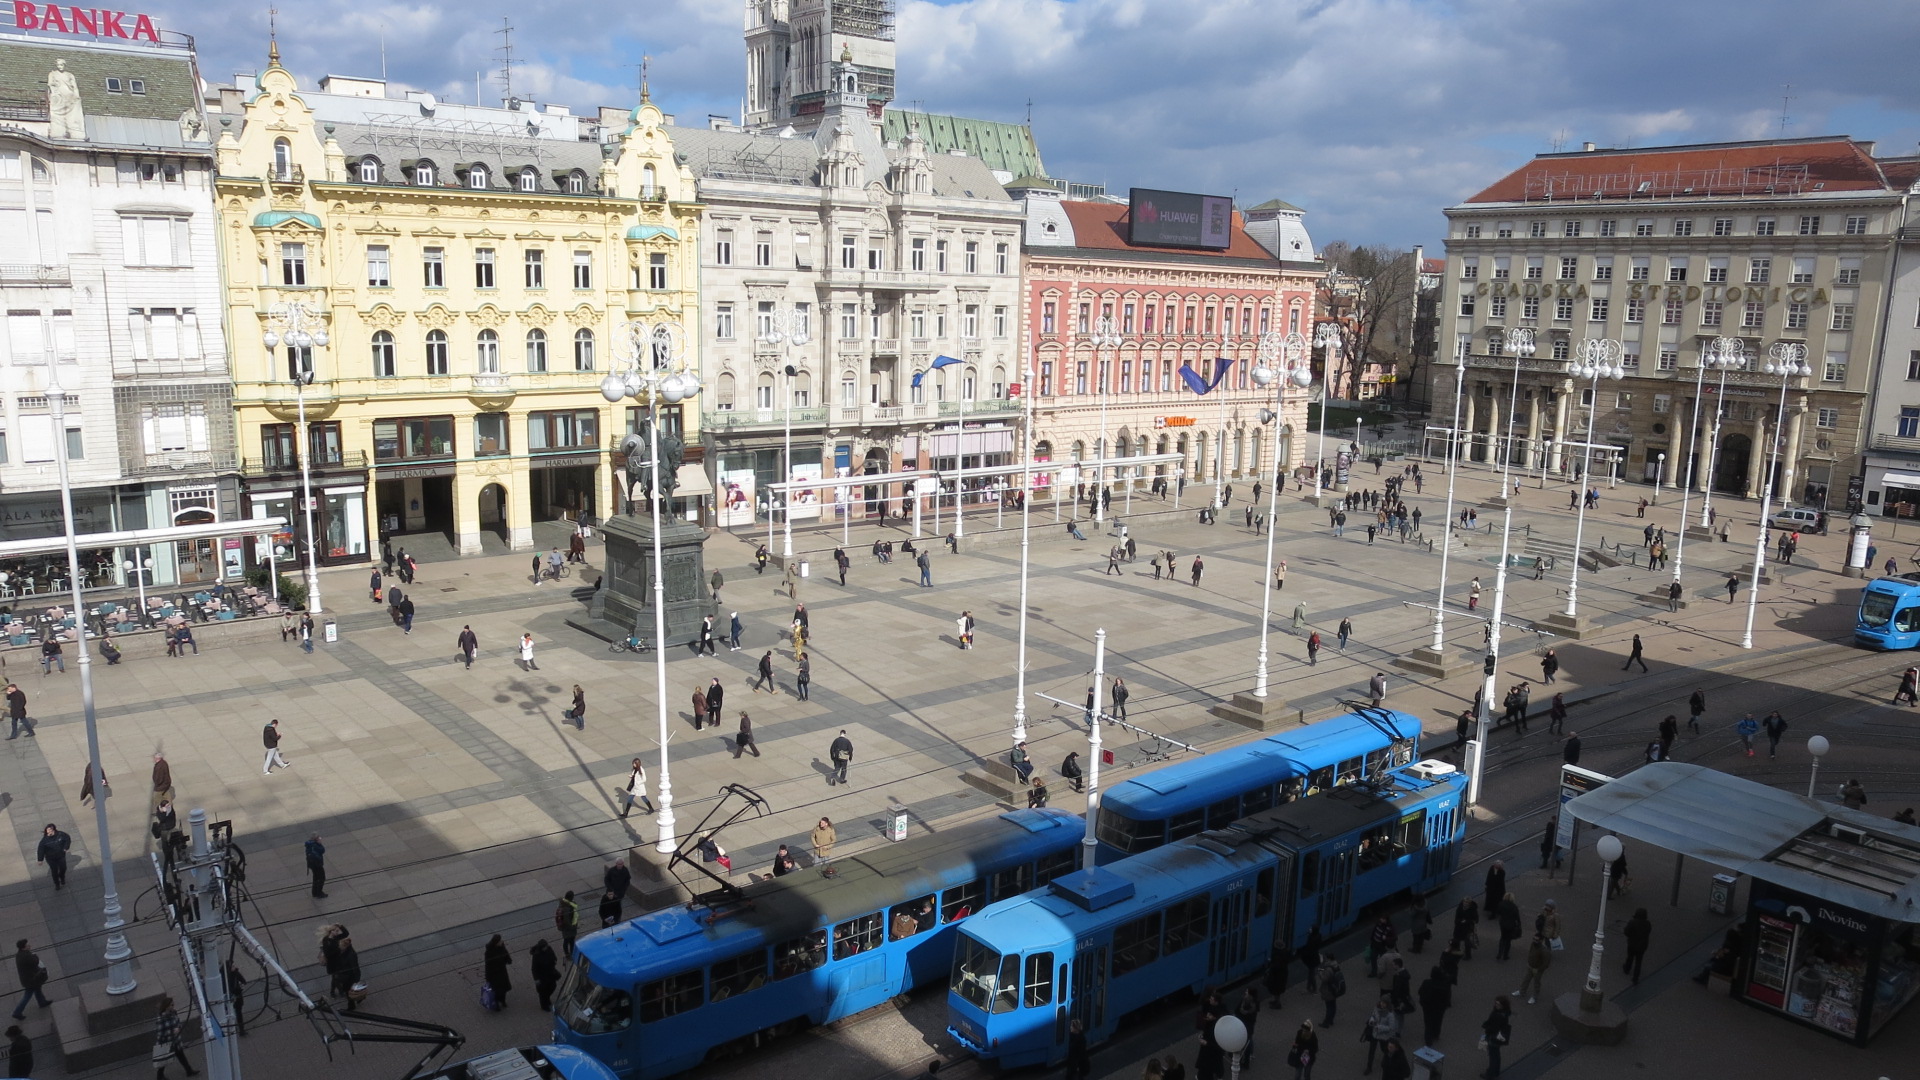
column 1664, row 250
column 475, row 269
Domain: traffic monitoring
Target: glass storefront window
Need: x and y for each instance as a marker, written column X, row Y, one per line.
column 345, row 523
column 413, row 437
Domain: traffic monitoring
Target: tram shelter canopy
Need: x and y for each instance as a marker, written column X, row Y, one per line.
column 1846, row 857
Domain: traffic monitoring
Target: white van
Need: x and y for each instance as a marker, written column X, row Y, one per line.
column 1797, row 518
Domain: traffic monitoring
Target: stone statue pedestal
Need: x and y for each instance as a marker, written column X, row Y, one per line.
column 624, row 604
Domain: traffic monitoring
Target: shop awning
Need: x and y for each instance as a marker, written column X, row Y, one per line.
column 693, row 481
column 1904, row 479
column 1846, row 857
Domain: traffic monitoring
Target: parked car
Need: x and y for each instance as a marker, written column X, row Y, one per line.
column 1798, row 518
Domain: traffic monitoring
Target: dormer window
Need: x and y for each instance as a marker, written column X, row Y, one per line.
column 369, row 171
column 477, row 178
column 529, row 180
column 423, row 174
column 648, row 181
column 282, row 159
column 576, row 183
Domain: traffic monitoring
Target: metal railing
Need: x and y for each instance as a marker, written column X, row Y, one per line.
column 34, row 273
column 1904, row 443
column 725, row 419
column 984, row 407
column 277, row 464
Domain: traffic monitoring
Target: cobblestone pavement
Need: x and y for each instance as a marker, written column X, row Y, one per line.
column 458, row 803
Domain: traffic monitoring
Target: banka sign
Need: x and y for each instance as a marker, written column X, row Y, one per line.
column 93, row 22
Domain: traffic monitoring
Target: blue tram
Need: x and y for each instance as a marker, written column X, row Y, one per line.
column 661, row 993
column 528, row 1063
column 1889, row 614
column 1098, row 945
column 1210, row 792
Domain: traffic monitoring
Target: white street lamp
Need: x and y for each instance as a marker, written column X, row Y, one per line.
column 1088, row 844
column 119, row 955
column 1787, row 359
column 1723, row 354
column 1026, row 520
column 1599, row 359
column 1817, row 746
column 1591, row 998
column 1446, row 532
column 140, row 572
column 1272, row 347
column 295, row 316
column 1230, row 1035
column 1105, row 339
column 1327, row 337
column 785, row 333
column 661, row 378
column 1519, row 341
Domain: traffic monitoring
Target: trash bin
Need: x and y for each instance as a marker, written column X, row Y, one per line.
column 897, row 823
column 1427, row 1062
column 1720, row 894
column 332, row 632
column 803, row 568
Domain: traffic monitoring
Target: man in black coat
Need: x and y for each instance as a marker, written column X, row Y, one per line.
column 841, row 754
column 1436, row 997
column 715, row 694
column 1496, row 889
column 469, row 644
column 616, row 881
column 53, row 851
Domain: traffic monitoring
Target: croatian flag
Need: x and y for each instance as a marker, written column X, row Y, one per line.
column 938, row 363
column 1199, row 385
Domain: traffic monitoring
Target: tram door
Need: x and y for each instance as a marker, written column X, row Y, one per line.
column 1336, row 889
column 1090, row 988
column 1441, row 850
column 1231, row 915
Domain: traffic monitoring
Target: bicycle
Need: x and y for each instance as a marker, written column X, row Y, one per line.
column 553, row 573
column 632, row 643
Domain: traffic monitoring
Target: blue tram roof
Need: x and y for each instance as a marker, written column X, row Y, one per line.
column 1199, row 781
column 783, row 908
column 1902, row 585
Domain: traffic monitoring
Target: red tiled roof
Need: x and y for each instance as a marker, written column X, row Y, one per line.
column 1780, row 167
column 1105, row 226
column 1433, row 266
column 1901, row 172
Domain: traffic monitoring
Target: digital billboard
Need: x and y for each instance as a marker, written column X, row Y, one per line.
column 1180, row 219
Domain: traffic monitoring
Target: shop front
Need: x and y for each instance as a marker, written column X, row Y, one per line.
column 339, row 520
column 38, row 516
column 565, row 486
column 1835, row 968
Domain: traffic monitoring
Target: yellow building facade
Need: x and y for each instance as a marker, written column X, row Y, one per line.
column 476, row 272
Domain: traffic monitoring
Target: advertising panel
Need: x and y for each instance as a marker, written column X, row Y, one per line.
column 736, row 498
column 1180, row 219
column 804, row 502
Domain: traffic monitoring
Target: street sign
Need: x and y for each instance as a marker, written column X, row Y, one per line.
column 1014, row 390
column 1575, row 782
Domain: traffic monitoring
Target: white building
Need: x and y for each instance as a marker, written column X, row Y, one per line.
column 111, row 284
column 1889, row 482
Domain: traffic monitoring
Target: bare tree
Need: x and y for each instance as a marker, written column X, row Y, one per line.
column 1369, row 298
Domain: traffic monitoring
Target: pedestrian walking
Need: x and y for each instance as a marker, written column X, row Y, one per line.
column 699, row 707
column 17, row 711
column 52, row 850
column 1570, row 748
column 1299, row 616
column 1549, row 666
column 33, row 980
column 743, row 738
column 840, row 753
column 1776, row 726
column 1909, row 688
column 716, row 696
column 713, row 586
column 545, row 969
column 706, row 646
column 925, row 562
column 1669, row 733
column 1696, row 706
column 494, row 962
column 1852, row 795
column 1473, row 595
column 578, row 711
column 566, row 919
column 1748, row 727
column 166, row 1041
column 802, row 681
column 306, row 633
column 1198, row 568
column 373, row 582
column 469, row 644
column 270, row 738
column 1733, row 586
column 317, row 865
column 765, row 676
column 964, row 624
column 1495, row 1032
column 1436, row 997
column 19, row 1052
column 526, row 653
column 1377, row 688
column 634, row 792
column 1636, row 656
column 1113, row 560
column 1639, row 930
column 1119, row 697
column 822, row 839
column 1313, row 649
column 1345, row 632
column 406, row 616
column 733, row 632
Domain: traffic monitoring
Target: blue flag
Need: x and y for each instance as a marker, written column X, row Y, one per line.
column 1198, row 385
column 938, row 363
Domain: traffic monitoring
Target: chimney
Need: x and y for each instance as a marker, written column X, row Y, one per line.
column 1588, row 147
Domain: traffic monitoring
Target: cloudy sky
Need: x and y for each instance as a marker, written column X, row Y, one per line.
column 1371, row 114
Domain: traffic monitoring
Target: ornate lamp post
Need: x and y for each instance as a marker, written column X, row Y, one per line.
column 1105, row 340
column 1599, row 359
column 785, row 334
column 1446, row 533
column 1787, row 359
column 1592, row 997
column 1272, row 347
column 1325, row 336
column 662, row 378
column 295, row 317
column 1520, row 342
column 1723, row 354
column 1026, row 520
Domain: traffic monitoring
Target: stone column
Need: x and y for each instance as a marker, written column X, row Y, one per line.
column 1466, row 423
column 1790, row 455
column 1533, row 429
column 1676, row 449
column 1560, row 423
column 1757, row 462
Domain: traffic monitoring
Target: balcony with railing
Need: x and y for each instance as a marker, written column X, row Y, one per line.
column 738, row 419
column 1899, row 444
column 288, row 465
column 138, row 463
column 983, row 407
column 36, row 274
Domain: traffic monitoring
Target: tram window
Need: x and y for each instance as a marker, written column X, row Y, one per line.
column 1053, row 866
column 1291, row 790
column 1013, row 881
column 1263, row 893
column 1039, row 984
column 1310, row 873
column 588, row 1008
column 1187, row 824
column 1319, row 781
column 739, row 974
column 1186, row 924
column 962, row 900
column 1403, row 752
column 1413, row 833
column 1223, row 813
column 1136, row 944
column 1260, row 798
column 856, row 936
column 1006, row 995
column 1376, row 847
column 800, row 955
column 973, row 971
column 1908, row 620
column 671, row 996
column 1349, row 770
column 910, row 918
column 1124, row 833
column 1379, row 761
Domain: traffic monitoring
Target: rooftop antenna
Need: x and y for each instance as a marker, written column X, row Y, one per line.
column 1029, row 112
column 506, row 56
column 1786, row 102
column 383, row 52
column 1559, row 140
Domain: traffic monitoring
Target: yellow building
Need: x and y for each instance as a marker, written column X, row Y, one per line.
column 475, row 270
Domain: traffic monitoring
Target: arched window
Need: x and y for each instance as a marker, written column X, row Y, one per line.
column 282, row 159
column 648, row 181
column 369, row 170
column 477, row 177
column 970, row 386
column 763, row 392
column 383, row 362
column 486, row 353
column 423, row 174
column 998, row 391
column 577, row 183
column 583, row 350
column 536, row 350
column 529, row 180
column 723, row 392
column 1079, row 450
column 436, row 352
column 802, row 390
